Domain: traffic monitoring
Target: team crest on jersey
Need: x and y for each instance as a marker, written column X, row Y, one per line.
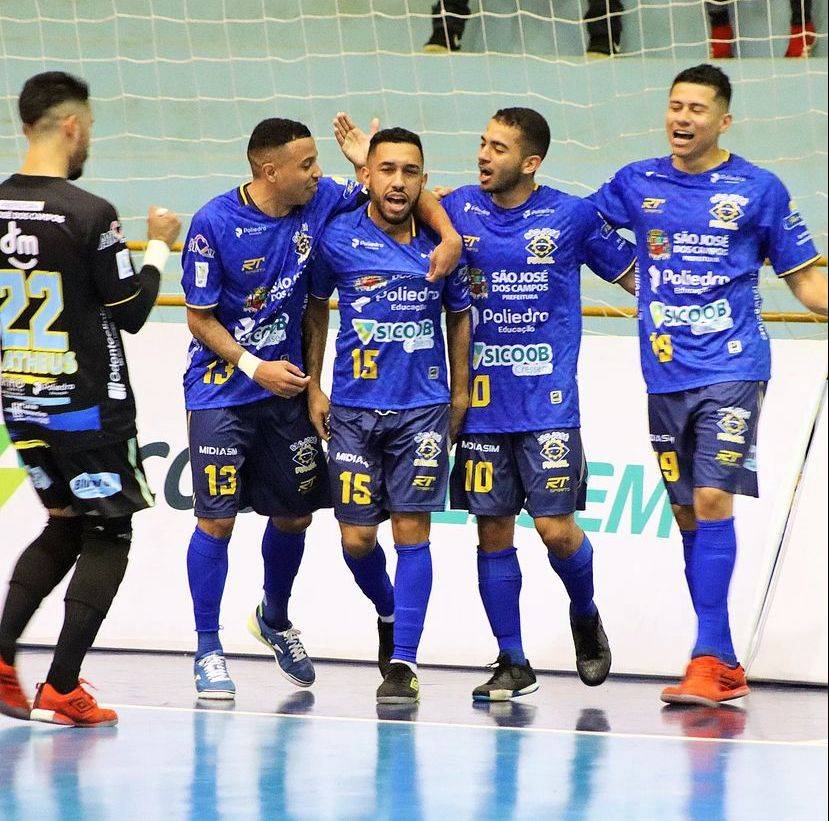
column 554, row 449
column 256, row 300
column 199, row 245
column 370, row 282
column 428, row 449
column 541, row 245
column 659, row 245
column 111, row 237
column 302, row 243
column 305, row 454
column 477, row 284
column 733, row 424
column 727, row 209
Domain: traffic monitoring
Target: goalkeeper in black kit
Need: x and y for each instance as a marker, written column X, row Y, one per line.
column 67, row 290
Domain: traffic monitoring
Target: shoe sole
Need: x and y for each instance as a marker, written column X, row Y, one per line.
column 253, row 629
column 691, row 698
column 505, row 695
column 398, row 699
column 594, row 682
column 435, row 50
column 216, row 695
column 51, row 717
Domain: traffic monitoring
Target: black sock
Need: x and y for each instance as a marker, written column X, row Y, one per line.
column 98, row 574
column 801, row 12
column 718, row 15
column 38, row 571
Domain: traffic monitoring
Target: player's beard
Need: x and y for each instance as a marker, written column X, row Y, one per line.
column 505, row 181
column 76, row 163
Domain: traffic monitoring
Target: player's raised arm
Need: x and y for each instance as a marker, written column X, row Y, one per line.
column 130, row 296
column 353, row 141
column 447, row 253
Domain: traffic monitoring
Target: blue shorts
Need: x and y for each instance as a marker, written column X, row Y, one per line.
column 707, row 437
column 265, row 455
column 496, row 474
column 385, row 462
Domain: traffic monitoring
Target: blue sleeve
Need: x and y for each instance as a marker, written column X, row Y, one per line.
column 456, row 296
column 201, row 277
column 450, row 205
column 609, row 200
column 786, row 239
column 341, row 195
column 322, row 280
column 606, row 252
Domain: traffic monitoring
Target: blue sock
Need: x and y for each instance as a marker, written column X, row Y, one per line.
column 688, row 539
column 712, row 564
column 576, row 571
column 207, row 571
column 281, row 554
column 371, row 577
column 412, row 586
column 499, row 582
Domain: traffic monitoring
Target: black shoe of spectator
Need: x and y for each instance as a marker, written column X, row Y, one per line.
column 448, row 23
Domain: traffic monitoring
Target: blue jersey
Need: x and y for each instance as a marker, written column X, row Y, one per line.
column 250, row 268
column 700, row 242
column 524, row 269
column 390, row 349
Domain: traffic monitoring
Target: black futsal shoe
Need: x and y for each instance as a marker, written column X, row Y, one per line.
column 400, row 686
column 592, row 649
column 508, row 681
column 385, row 647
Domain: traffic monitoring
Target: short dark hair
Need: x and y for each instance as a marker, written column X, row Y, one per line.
column 395, row 135
column 274, row 132
column 44, row 91
column 533, row 127
column 707, row 75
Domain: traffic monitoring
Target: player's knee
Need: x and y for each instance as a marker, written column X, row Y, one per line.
column 712, row 504
column 685, row 517
column 50, row 555
column 102, row 563
column 359, row 544
column 295, row 525
column 217, row 528
column 495, row 533
column 410, row 528
column 560, row 534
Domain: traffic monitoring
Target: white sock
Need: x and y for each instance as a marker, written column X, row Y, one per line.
column 387, row 619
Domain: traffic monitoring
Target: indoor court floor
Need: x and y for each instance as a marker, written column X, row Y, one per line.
column 567, row 751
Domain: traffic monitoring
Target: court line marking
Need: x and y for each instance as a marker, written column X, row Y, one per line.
column 817, row 742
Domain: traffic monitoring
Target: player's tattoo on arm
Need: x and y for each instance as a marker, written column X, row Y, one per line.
column 314, row 338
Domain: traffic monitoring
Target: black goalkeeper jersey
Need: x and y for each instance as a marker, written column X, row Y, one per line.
column 63, row 267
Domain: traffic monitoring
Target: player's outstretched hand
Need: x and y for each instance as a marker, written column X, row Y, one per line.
column 444, row 259
column 163, row 224
column 353, row 141
column 441, row 191
column 457, row 412
column 319, row 406
column 281, row 377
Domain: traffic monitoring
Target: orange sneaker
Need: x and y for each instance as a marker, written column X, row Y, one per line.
column 13, row 702
column 75, row 709
column 708, row 681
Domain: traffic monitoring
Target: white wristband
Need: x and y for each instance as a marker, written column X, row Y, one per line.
column 157, row 254
column 248, row 363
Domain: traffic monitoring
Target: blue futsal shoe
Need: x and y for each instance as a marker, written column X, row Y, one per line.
column 212, row 679
column 291, row 657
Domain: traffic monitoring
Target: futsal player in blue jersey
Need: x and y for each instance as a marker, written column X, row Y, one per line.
column 392, row 416
column 705, row 220
column 521, row 444
column 251, row 442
